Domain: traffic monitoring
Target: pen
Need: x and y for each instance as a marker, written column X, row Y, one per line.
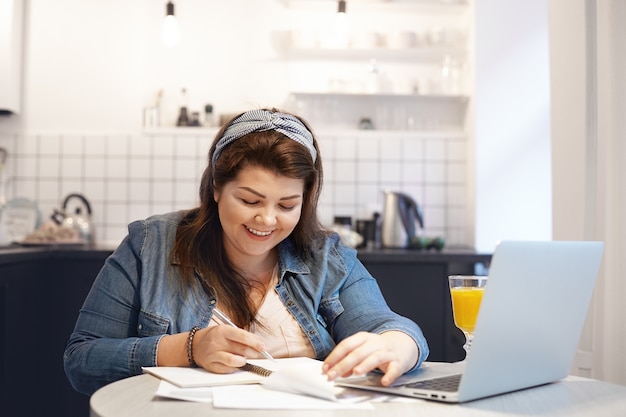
column 224, row 318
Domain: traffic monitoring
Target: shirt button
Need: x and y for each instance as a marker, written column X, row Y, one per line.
column 311, row 332
column 140, row 327
column 290, row 303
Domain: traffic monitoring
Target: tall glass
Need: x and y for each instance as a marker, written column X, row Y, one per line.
column 466, row 292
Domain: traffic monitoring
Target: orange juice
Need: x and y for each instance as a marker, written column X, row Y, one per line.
column 465, row 306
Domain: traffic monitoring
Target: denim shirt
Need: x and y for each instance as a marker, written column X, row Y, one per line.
column 136, row 299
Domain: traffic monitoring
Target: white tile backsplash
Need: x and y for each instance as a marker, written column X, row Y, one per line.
column 164, row 146
column 435, row 150
column 162, row 169
column 139, row 168
column 49, row 166
column 117, row 145
column 457, row 150
column 367, row 149
column 390, row 171
column 344, row 149
column 117, row 190
column 94, row 167
column 367, row 171
column 412, row 149
column 412, row 172
column 72, row 145
column 390, row 150
column 435, row 171
column 345, row 171
column 131, row 176
column 95, row 146
column 72, row 167
column 140, row 146
column 49, row 145
column 345, row 195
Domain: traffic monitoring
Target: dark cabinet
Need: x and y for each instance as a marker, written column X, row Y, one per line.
column 40, row 295
column 415, row 285
column 75, row 278
column 26, row 352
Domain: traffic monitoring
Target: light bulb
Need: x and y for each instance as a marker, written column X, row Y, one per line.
column 341, row 24
column 170, row 33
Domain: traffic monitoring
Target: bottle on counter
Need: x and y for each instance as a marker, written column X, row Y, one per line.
column 152, row 112
column 195, row 119
column 378, row 240
column 366, row 228
column 183, row 116
column 209, row 120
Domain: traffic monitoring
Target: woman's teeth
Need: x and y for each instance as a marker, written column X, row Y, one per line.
column 258, row 232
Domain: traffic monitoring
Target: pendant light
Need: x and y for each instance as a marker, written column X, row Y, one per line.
column 170, row 33
column 341, row 24
column 341, row 19
column 341, row 6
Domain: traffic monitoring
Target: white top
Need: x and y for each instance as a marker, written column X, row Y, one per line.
column 281, row 333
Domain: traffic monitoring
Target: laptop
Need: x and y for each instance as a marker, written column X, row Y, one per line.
column 528, row 328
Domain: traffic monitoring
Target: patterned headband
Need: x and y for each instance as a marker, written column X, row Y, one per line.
column 262, row 120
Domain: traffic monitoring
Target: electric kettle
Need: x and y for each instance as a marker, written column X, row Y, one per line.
column 79, row 219
column 400, row 214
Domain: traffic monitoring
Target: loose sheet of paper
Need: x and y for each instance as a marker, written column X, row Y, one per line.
column 260, row 398
column 196, row 394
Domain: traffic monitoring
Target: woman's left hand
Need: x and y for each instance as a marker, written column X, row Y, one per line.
column 392, row 352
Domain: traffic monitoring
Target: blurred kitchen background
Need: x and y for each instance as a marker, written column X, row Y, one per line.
column 502, row 118
column 389, row 95
column 101, row 102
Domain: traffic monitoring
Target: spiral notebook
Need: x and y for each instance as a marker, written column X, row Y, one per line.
column 197, row 377
column 528, row 327
column 300, row 374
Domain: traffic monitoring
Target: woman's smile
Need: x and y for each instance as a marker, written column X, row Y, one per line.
column 259, row 233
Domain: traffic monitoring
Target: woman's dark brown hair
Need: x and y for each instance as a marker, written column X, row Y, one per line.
column 199, row 238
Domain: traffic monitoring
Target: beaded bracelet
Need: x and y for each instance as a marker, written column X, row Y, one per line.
column 192, row 333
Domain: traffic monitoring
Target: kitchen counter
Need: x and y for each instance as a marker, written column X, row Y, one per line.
column 456, row 255
column 18, row 253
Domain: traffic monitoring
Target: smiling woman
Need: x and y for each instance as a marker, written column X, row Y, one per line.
column 255, row 249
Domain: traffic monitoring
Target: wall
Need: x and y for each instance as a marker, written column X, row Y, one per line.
column 512, row 122
column 94, row 65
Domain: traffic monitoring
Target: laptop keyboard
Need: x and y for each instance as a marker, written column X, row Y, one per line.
column 446, row 383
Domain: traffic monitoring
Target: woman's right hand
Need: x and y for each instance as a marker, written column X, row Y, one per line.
column 223, row 349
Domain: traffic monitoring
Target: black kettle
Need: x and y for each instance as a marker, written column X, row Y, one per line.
column 79, row 219
column 401, row 213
